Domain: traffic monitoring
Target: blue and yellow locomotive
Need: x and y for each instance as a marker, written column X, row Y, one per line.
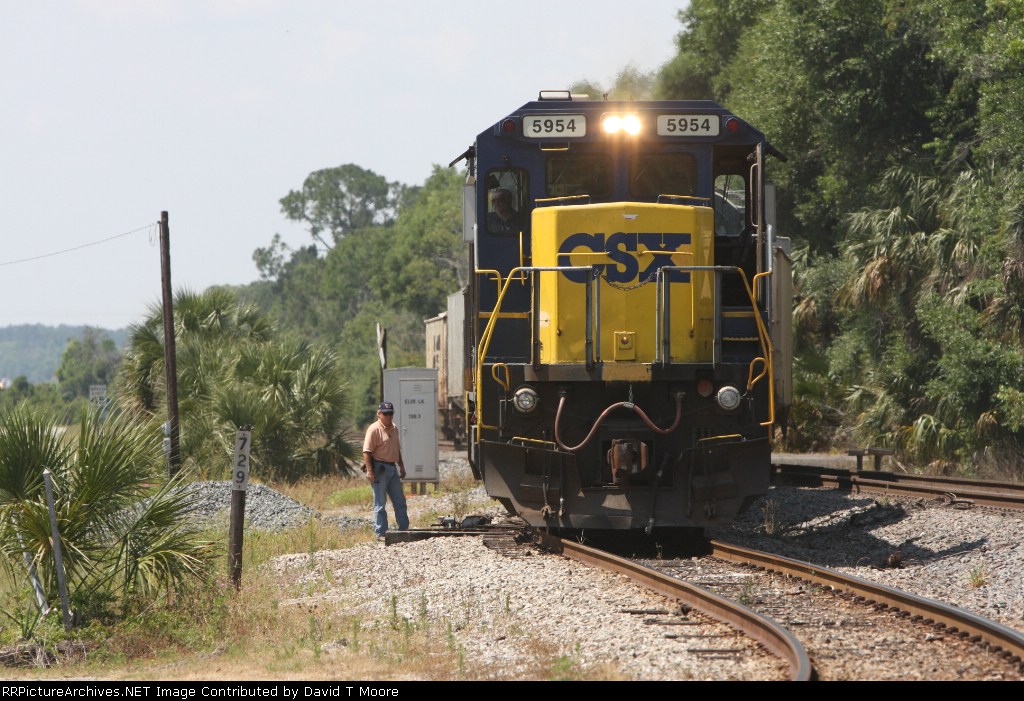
column 628, row 320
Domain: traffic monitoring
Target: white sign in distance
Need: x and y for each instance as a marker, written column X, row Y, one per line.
column 240, row 469
column 97, row 393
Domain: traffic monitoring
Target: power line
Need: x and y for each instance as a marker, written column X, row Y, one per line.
column 149, row 227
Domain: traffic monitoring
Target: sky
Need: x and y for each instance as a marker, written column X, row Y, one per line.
column 114, row 111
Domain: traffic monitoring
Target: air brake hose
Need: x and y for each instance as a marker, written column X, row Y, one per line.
column 609, row 410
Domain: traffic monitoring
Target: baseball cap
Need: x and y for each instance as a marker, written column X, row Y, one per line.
column 386, row 408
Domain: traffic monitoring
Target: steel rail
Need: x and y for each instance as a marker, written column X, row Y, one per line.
column 1007, row 495
column 779, row 641
column 999, row 637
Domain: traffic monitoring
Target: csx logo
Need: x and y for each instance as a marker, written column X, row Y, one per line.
column 621, row 248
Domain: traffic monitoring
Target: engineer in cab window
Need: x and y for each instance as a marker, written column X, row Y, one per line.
column 502, row 217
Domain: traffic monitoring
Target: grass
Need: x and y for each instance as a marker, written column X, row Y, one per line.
column 258, row 632
column 772, row 517
column 747, row 593
column 977, row 576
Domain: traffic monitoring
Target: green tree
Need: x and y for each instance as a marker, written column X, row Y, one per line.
column 712, row 30
column 902, row 123
column 295, row 295
column 425, row 259
column 851, row 92
column 334, row 202
column 92, row 359
column 630, row 84
column 292, row 395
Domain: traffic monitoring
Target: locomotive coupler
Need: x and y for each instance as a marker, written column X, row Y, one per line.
column 626, row 457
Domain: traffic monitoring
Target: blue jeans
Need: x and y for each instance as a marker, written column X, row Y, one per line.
column 388, row 485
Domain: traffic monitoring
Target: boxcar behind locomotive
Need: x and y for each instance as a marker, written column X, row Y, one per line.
column 628, row 320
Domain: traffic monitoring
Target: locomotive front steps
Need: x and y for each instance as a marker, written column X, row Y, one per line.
column 739, row 333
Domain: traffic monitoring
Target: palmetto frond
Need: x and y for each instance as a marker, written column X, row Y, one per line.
column 108, row 528
column 233, row 371
column 28, row 445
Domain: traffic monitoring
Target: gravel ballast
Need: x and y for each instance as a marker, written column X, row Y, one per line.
column 968, row 558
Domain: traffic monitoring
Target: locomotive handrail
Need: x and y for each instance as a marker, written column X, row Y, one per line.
column 764, row 338
column 767, row 344
column 489, row 272
column 684, row 197
column 494, row 374
column 751, row 380
column 524, row 439
column 662, row 339
column 519, row 274
column 485, row 336
column 753, row 284
column 544, row 201
column 595, row 308
column 497, row 275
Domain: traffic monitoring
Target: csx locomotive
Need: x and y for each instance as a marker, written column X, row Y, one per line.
column 628, row 321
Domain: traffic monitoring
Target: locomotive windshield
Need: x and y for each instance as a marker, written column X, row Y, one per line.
column 650, row 175
column 568, row 174
column 653, row 174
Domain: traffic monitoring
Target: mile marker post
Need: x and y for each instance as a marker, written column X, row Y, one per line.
column 239, row 483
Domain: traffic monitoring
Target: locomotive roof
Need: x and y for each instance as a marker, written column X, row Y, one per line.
column 561, row 100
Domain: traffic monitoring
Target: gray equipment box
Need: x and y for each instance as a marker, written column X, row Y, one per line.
column 413, row 391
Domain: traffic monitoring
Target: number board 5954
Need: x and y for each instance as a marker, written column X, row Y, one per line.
column 554, row 126
column 688, row 125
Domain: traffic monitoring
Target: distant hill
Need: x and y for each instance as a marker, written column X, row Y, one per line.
column 34, row 350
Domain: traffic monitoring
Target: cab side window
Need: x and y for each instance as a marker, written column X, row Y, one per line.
column 730, row 205
column 507, row 201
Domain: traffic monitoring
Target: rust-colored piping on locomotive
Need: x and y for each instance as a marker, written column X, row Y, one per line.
column 609, row 410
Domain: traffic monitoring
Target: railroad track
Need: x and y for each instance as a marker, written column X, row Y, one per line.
column 959, row 491
column 822, row 623
column 852, row 629
column 779, row 642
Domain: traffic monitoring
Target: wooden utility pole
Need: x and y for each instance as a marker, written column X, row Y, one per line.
column 171, row 428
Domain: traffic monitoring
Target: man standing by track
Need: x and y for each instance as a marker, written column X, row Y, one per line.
column 383, row 465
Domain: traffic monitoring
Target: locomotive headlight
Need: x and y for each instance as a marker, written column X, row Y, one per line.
column 525, row 400
column 612, row 124
column 728, row 398
column 617, row 123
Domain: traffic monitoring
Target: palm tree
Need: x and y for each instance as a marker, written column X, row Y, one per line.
column 932, row 315
column 214, row 316
column 119, row 534
column 234, row 371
